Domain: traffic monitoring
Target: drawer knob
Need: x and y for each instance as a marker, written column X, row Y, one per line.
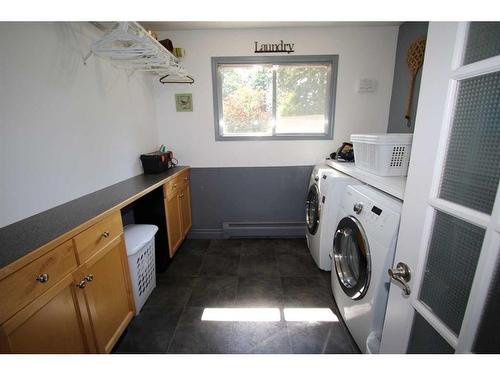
column 43, row 278
column 82, row 284
column 181, row 196
column 186, row 178
column 175, row 186
column 106, row 234
column 89, row 278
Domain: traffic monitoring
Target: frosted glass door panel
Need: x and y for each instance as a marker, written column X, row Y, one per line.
column 483, row 41
column 451, row 263
column 472, row 167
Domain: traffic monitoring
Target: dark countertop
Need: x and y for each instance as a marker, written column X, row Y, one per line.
column 20, row 238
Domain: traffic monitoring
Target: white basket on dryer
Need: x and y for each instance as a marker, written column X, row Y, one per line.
column 383, row 154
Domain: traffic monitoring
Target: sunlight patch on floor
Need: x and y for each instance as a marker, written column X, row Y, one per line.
column 230, row 314
column 264, row 314
column 309, row 315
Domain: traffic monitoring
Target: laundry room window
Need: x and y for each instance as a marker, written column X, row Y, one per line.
column 274, row 97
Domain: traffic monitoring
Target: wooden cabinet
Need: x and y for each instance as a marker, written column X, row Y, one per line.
column 53, row 323
column 185, row 210
column 177, row 210
column 170, row 187
column 73, row 294
column 174, row 231
column 98, row 236
column 65, row 303
column 20, row 288
column 106, row 285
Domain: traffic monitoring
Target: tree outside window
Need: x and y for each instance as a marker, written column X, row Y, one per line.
column 275, row 98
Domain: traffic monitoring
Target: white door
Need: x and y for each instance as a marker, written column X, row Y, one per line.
column 450, row 228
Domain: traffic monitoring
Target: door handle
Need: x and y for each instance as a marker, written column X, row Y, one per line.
column 43, row 278
column 82, row 284
column 86, row 279
column 402, row 275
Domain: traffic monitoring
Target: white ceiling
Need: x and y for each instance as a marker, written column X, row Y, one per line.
column 201, row 25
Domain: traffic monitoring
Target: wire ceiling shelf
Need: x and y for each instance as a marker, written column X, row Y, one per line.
column 129, row 46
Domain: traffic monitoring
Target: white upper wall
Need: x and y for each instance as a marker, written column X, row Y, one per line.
column 364, row 52
column 65, row 129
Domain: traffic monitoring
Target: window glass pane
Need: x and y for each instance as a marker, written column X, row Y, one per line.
column 451, row 263
column 425, row 340
column 283, row 97
column 302, row 97
column 472, row 168
column 483, row 41
column 246, row 100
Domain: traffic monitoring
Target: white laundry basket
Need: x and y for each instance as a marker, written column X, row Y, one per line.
column 140, row 242
column 383, row 154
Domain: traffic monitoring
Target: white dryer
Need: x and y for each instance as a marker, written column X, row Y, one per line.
column 326, row 187
column 363, row 249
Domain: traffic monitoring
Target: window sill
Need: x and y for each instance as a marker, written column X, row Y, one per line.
column 294, row 137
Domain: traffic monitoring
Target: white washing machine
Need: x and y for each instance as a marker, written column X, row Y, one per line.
column 363, row 249
column 326, row 187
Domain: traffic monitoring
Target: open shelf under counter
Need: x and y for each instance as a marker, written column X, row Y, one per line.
column 394, row 186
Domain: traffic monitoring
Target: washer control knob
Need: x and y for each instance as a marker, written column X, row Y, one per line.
column 358, row 207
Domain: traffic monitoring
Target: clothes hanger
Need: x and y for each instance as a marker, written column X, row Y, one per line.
column 191, row 79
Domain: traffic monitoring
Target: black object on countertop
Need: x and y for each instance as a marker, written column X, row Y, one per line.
column 157, row 162
column 344, row 153
column 20, row 238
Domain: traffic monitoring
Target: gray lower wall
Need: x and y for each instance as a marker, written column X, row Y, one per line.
column 248, row 194
column 408, row 32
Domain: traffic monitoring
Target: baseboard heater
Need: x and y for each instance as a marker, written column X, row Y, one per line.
column 263, row 229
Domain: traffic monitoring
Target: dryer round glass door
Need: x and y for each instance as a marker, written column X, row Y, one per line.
column 312, row 209
column 351, row 256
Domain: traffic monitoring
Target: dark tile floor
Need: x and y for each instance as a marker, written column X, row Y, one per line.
column 237, row 273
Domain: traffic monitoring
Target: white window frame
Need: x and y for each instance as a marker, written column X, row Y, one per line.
column 332, row 60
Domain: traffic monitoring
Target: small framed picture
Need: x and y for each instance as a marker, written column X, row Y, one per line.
column 184, row 102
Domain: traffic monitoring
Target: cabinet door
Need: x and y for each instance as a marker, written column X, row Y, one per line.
column 106, row 283
column 52, row 323
column 185, row 207
column 174, row 225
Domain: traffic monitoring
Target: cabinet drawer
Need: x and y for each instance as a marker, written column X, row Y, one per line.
column 22, row 287
column 175, row 184
column 171, row 187
column 97, row 236
column 183, row 179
